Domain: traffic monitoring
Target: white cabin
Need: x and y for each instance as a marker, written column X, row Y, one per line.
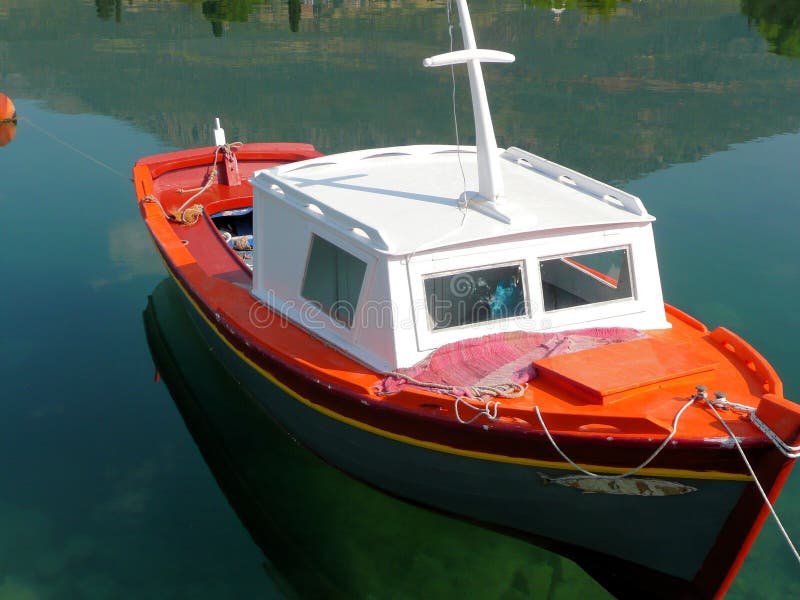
column 389, row 254
column 378, row 253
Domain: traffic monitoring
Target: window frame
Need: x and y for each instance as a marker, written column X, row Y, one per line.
column 430, row 322
column 323, row 310
column 633, row 297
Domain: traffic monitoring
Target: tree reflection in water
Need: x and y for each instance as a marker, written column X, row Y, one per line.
column 106, row 7
column 220, row 12
column 295, row 10
column 778, row 21
column 217, row 12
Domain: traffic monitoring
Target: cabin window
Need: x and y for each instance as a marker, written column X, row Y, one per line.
column 583, row 279
column 333, row 280
column 475, row 296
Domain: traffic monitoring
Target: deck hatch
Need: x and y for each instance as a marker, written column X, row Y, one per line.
column 624, row 367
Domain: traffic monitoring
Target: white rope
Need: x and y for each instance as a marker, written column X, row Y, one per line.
column 489, row 409
column 69, row 146
column 755, row 479
column 157, row 202
column 502, row 390
column 211, row 177
column 190, row 214
column 784, row 448
column 722, row 403
column 788, row 451
column 468, row 394
column 633, row 471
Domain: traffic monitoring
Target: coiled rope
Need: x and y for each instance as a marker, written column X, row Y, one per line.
column 187, row 213
column 468, row 395
column 489, row 409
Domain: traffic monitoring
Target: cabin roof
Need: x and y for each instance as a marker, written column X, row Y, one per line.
column 406, row 199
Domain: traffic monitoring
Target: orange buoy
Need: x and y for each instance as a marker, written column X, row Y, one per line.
column 7, row 110
column 7, row 132
column 8, row 120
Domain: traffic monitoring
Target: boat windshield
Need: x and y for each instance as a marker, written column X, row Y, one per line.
column 581, row 279
column 475, row 296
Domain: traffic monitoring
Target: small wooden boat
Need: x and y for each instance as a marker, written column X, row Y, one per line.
column 481, row 331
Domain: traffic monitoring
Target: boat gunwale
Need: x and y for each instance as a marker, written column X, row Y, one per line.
column 205, row 156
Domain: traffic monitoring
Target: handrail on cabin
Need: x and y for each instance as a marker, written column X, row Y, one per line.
column 602, row 191
column 286, row 193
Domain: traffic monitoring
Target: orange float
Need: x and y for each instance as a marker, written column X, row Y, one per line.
column 7, row 110
column 7, row 132
column 8, row 120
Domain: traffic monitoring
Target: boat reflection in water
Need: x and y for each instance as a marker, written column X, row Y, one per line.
column 324, row 534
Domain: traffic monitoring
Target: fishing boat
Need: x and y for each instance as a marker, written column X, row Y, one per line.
column 481, row 331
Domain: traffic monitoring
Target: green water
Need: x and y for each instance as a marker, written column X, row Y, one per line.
column 694, row 106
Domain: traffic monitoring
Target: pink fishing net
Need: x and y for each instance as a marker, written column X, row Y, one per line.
column 498, row 359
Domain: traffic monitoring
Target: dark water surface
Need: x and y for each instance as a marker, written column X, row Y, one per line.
column 694, row 106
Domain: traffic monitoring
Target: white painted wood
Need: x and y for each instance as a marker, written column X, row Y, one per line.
column 460, row 57
column 413, row 212
column 598, row 189
column 407, row 199
column 490, row 178
column 219, row 133
column 397, row 209
column 391, row 327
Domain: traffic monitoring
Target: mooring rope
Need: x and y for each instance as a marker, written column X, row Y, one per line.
column 188, row 216
column 69, row 146
column 154, row 200
column 720, row 401
column 633, row 471
column 187, row 213
column 782, row 529
column 210, row 178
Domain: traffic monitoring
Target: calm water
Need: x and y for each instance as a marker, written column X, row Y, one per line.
column 694, row 106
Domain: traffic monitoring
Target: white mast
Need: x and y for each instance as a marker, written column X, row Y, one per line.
column 490, row 180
